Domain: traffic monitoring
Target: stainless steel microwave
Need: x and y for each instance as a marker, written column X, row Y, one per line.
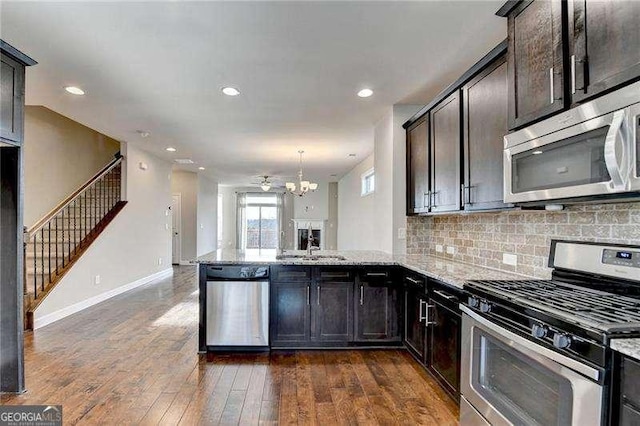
column 588, row 151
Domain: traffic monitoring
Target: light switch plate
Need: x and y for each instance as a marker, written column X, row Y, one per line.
column 509, row 259
column 439, row 248
column 96, row 280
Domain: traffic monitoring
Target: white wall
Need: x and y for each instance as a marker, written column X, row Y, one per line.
column 186, row 184
column 387, row 213
column 207, row 213
column 137, row 243
column 314, row 205
column 356, row 213
column 228, row 236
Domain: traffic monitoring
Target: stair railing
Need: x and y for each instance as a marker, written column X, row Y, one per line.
column 51, row 243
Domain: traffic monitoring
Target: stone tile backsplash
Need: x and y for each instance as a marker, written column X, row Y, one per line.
column 483, row 238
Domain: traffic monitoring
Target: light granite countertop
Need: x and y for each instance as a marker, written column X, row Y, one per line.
column 447, row 271
column 629, row 347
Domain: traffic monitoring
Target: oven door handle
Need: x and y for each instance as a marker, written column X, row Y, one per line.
column 617, row 135
column 577, row 366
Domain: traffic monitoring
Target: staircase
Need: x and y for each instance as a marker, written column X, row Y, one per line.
column 59, row 239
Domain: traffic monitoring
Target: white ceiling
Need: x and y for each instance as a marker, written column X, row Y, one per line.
column 159, row 67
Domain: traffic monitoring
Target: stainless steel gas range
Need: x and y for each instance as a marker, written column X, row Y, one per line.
column 537, row 352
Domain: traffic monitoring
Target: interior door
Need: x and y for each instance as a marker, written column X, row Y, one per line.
column 176, row 234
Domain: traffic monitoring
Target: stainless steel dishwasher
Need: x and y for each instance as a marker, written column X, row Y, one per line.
column 237, row 306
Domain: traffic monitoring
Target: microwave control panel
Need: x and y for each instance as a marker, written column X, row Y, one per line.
column 622, row 257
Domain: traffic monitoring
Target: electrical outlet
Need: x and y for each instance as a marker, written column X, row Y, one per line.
column 159, row 261
column 451, row 250
column 96, row 280
column 166, row 226
column 402, row 233
column 509, row 259
column 202, row 226
column 439, row 248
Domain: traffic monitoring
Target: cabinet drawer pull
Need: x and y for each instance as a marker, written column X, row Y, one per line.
column 573, row 73
column 445, row 295
column 551, row 97
column 376, row 274
column 413, row 280
column 361, row 295
column 308, row 295
column 318, row 295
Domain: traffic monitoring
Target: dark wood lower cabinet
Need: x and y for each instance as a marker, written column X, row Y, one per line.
column 333, row 312
column 444, row 345
column 415, row 302
column 629, row 392
column 290, row 313
column 377, row 308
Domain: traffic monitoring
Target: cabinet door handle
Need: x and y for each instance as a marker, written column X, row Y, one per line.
column 421, row 315
column 551, row 97
column 318, row 294
column 412, row 280
column 445, row 295
column 462, row 200
column 361, row 295
column 376, row 274
column 424, row 197
column 427, row 321
column 308, row 295
column 432, row 204
column 573, row 73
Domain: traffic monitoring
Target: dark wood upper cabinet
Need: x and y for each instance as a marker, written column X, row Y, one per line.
column 445, row 154
column 484, row 122
column 377, row 308
column 535, row 61
column 418, row 167
column 604, row 45
column 11, row 99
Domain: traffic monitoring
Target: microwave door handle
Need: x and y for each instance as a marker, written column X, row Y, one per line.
column 619, row 172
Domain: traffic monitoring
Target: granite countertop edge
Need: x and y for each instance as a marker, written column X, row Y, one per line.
column 450, row 272
column 628, row 347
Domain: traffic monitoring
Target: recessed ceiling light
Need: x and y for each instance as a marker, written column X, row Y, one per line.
column 365, row 93
column 74, row 90
column 201, row 168
column 230, row 91
column 171, row 149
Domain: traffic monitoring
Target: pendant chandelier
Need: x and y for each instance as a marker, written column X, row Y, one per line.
column 303, row 186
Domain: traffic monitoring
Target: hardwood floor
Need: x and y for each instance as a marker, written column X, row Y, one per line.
column 133, row 360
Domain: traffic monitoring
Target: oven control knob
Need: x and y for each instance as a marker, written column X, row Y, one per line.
column 473, row 302
column 539, row 331
column 561, row 341
column 485, row 306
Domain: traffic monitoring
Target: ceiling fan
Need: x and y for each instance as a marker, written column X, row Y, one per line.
column 267, row 182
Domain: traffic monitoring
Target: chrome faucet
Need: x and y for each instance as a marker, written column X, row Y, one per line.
column 310, row 240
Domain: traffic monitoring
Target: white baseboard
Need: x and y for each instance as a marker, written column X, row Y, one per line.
column 40, row 322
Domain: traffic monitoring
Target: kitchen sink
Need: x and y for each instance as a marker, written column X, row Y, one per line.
column 310, row 257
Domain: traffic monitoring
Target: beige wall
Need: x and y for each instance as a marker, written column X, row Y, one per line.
column 207, row 215
column 59, row 156
column 483, row 238
column 137, row 244
column 186, row 184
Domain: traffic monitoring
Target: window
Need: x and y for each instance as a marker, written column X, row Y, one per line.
column 368, row 182
column 262, row 222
